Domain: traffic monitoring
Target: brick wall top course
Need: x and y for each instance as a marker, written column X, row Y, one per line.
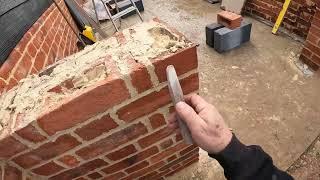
column 70, row 80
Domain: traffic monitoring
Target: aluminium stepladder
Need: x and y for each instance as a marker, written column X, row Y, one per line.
column 119, row 14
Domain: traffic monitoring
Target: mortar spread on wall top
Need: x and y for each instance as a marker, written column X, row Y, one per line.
column 37, row 93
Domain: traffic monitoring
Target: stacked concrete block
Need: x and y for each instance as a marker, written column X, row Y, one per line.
column 210, row 33
column 235, row 33
column 102, row 112
column 226, row 39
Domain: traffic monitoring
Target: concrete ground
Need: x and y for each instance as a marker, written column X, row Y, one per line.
column 259, row 90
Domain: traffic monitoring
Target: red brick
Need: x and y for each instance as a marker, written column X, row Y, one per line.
column 113, row 141
column 164, row 173
column 149, row 175
column 178, row 137
column 191, row 154
column 30, row 133
column 313, row 48
column 96, row 128
column 155, row 100
column 144, row 105
column 313, row 39
column 122, row 153
column 34, row 28
column 50, row 37
column 54, row 49
column 23, row 42
column 154, row 137
column 47, row 151
column 232, row 20
column 167, row 152
column 33, row 71
column 67, row 84
column 7, row 67
column 45, row 48
column 190, row 83
column 157, row 120
column 144, row 171
column 48, row 169
column 69, row 160
column 81, row 170
column 11, row 173
column 137, row 167
column 315, row 31
column 3, row 84
column 171, row 158
column 103, row 96
column 39, row 60
column 38, row 39
column 165, row 144
column 66, row 47
column 316, row 21
column 95, row 175
column 10, row 146
column 12, row 82
column 309, row 62
column 140, row 77
column 191, row 160
column 306, row 52
column 115, row 176
column 32, row 50
column 316, row 59
column 131, row 160
column 188, row 149
column 47, row 25
column 183, row 61
column 23, row 67
column 81, row 178
column 176, row 166
column 50, row 58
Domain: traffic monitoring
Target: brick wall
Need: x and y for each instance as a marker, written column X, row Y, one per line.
column 297, row 19
column 302, row 18
column 102, row 112
column 311, row 51
column 48, row 40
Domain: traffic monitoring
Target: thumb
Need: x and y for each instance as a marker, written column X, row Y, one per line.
column 187, row 114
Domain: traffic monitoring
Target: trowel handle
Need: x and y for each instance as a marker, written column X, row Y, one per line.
column 185, row 132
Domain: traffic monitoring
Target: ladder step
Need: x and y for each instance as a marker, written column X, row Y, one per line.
column 124, row 12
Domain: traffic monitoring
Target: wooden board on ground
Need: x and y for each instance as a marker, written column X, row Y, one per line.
column 233, row 5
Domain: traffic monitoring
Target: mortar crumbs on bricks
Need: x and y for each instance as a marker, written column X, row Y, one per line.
column 79, row 71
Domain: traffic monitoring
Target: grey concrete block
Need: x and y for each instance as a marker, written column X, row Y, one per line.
column 226, row 39
column 210, row 28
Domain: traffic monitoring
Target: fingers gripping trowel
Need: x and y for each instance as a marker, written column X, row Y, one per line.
column 177, row 96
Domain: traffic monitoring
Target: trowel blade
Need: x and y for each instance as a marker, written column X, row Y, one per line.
column 176, row 94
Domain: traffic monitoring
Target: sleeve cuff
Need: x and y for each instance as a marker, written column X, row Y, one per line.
column 231, row 155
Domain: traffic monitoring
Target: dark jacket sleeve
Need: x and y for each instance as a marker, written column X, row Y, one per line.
column 241, row 162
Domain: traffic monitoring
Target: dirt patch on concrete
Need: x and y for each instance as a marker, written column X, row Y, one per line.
column 308, row 165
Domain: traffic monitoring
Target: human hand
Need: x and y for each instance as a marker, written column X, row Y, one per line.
column 206, row 125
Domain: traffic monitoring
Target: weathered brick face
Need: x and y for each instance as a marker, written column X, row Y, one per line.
column 311, row 51
column 102, row 112
column 297, row 19
column 47, row 41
